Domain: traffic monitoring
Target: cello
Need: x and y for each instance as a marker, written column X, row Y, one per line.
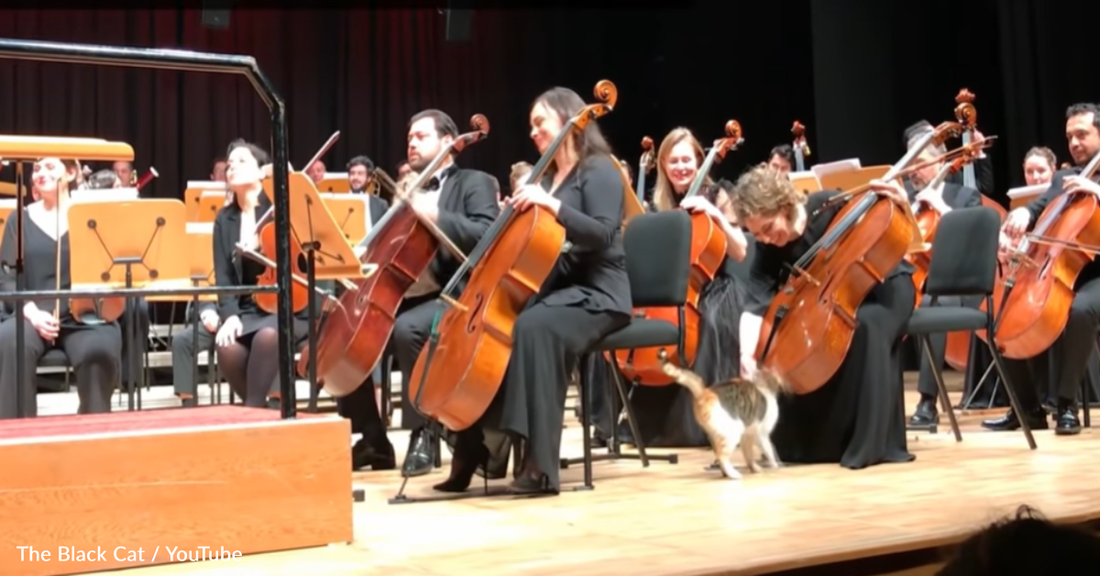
column 1032, row 302
column 708, row 252
column 809, row 325
column 352, row 338
column 459, row 372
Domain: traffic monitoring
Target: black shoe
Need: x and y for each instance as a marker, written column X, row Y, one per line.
column 527, row 485
column 1066, row 422
column 420, row 459
column 464, row 465
column 925, row 414
column 1036, row 420
column 377, row 457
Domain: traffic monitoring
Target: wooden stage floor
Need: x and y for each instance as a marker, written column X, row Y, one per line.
column 680, row 519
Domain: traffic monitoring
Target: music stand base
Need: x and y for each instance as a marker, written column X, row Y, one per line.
column 486, row 492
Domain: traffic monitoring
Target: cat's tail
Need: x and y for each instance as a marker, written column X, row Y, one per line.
column 683, row 376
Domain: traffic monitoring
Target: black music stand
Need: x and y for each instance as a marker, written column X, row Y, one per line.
column 128, row 244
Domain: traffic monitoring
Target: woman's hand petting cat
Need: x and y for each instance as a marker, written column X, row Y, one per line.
column 748, row 366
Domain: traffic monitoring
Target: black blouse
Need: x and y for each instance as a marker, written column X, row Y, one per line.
column 592, row 273
column 771, row 265
column 39, row 261
column 231, row 269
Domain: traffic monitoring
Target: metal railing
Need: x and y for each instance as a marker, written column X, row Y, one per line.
column 186, row 61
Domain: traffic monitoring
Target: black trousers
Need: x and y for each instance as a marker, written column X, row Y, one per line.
column 94, row 351
column 133, row 361
column 1069, row 355
column 926, row 383
column 185, row 348
column 547, row 341
column 410, row 332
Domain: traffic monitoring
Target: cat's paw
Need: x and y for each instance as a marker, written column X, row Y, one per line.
column 765, row 462
column 730, row 472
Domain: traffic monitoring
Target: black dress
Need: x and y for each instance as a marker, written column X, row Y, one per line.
column 664, row 414
column 586, row 297
column 857, row 418
column 94, row 351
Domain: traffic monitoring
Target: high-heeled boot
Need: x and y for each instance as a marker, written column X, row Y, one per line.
column 467, row 459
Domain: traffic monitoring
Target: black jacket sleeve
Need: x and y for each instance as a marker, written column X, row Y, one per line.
column 594, row 229
column 479, row 204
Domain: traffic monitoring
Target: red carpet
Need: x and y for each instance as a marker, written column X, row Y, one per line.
column 140, row 420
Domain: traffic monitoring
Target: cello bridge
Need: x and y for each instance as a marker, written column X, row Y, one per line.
column 453, row 303
column 800, row 273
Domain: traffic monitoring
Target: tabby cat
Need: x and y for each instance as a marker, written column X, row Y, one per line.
column 735, row 411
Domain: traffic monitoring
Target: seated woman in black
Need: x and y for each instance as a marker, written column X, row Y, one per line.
column 94, row 351
column 586, row 297
column 248, row 339
column 856, row 418
column 664, row 413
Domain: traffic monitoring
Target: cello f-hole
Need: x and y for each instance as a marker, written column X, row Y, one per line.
column 471, row 326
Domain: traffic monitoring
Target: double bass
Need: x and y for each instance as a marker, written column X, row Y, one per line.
column 402, row 245
column 809, row 325
column 708, row 252
column 799, row 146
column 459, row 372
column 1032, row 301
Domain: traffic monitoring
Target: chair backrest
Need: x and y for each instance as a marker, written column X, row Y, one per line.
column 964, row 253
column 658, row 258
column 742, row 270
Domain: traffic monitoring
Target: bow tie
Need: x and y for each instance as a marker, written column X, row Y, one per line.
column 434, row 182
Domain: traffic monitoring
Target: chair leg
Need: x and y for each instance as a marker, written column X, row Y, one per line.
column 945, row 400
column 1013, row 400
column 614, row 451
column 586, row 435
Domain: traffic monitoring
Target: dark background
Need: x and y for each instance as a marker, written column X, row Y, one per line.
column 855, row 72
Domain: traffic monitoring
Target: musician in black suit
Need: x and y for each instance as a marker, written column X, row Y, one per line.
column 1071, row 352
column 462, row 203
column 360, row 172
column 943, row 198
column 983, row 166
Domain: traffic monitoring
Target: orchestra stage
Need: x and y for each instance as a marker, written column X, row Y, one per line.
column 681, row 520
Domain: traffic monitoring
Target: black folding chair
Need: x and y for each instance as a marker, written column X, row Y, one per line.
column 658, row 261
column 964, row 263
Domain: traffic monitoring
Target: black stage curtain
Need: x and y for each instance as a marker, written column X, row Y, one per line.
column 881, row 66
column 365, row 72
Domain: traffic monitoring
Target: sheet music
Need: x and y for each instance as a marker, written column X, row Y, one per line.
column 848, row 165
column 1028, row 191
column 105, row 195
column 207, row 185
column 792, row 176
